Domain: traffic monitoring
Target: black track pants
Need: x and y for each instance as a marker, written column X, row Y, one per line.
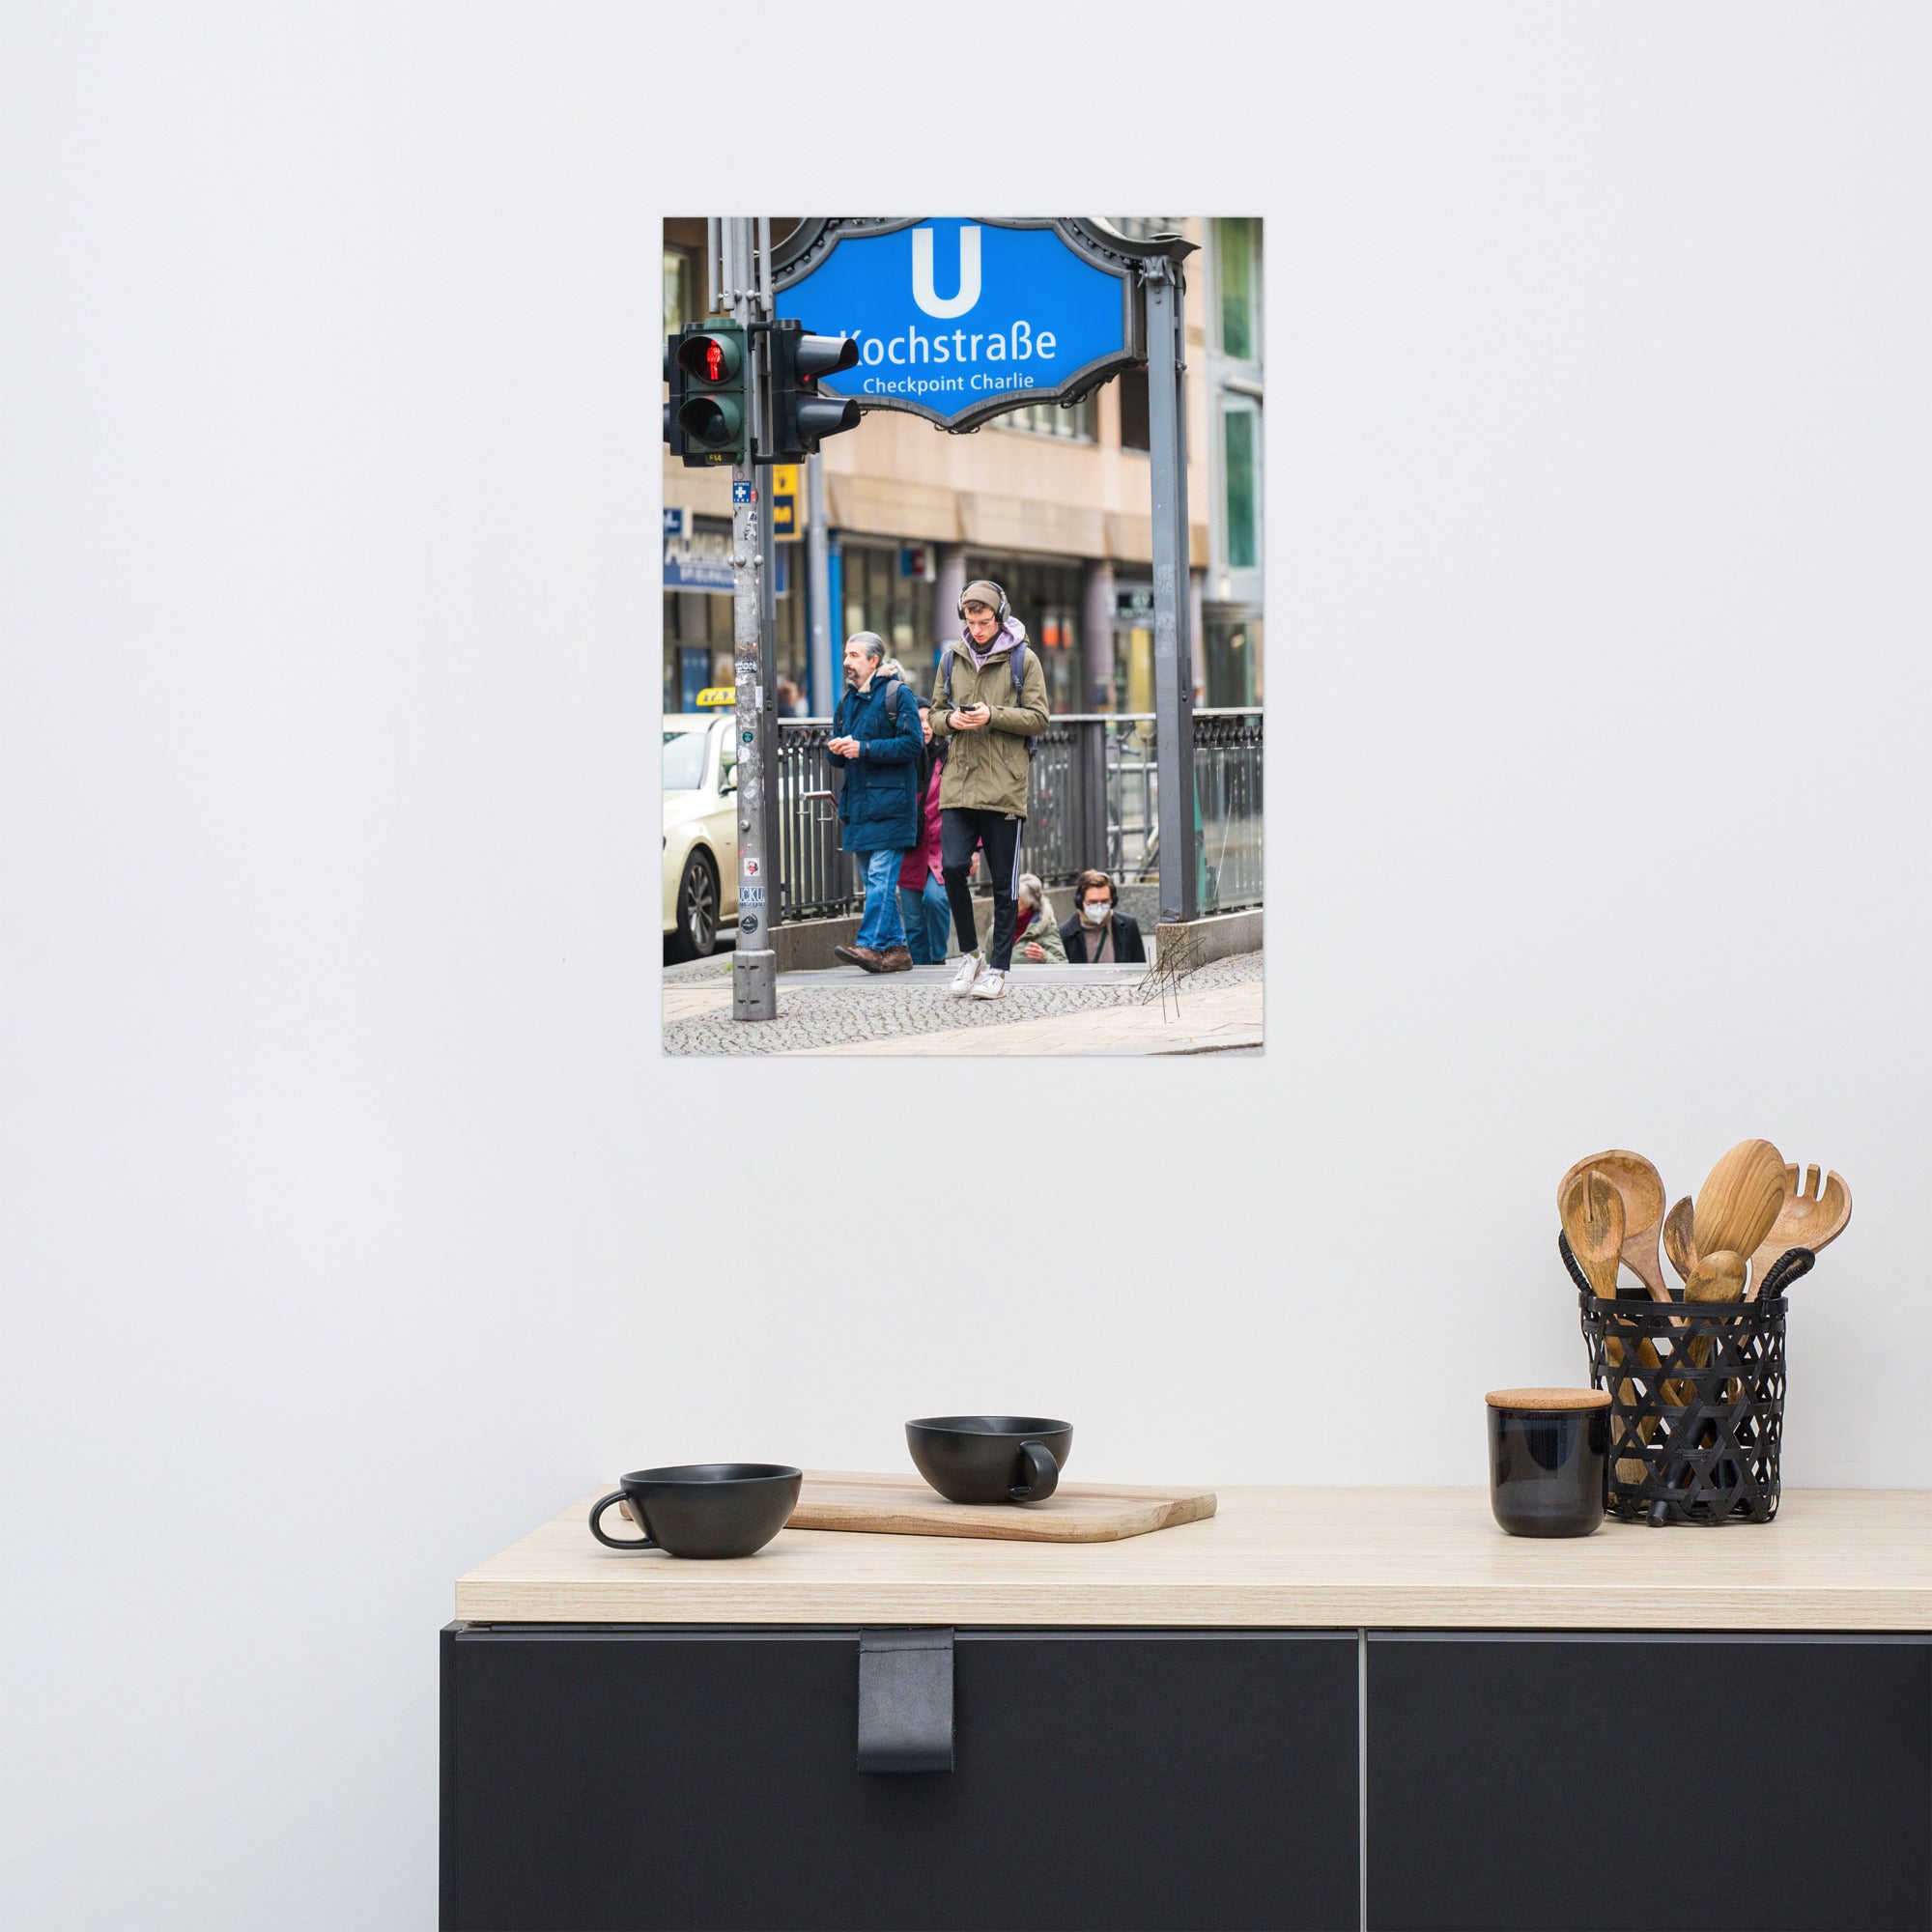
column 960, row 829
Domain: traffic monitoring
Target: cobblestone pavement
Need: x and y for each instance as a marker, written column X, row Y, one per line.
column 821, row 1009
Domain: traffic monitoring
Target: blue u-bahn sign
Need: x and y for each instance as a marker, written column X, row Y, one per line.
column 959, row 319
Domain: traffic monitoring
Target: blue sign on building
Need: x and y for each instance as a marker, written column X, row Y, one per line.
column 960, row 319
column 700, row 559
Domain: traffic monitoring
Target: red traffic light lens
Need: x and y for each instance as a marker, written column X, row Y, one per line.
column 711, row 358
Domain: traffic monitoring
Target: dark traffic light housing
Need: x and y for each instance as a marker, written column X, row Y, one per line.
column 705, row 421
column 706, row 418
column 675, row 378
column 800, row 415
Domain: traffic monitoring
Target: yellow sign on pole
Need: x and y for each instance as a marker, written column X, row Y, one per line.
column 784, row 501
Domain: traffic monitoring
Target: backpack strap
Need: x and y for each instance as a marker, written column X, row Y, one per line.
column 1018, row 663
column 893, row 702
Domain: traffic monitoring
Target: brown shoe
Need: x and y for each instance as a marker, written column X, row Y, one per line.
column 858, row 956
column 895, row 959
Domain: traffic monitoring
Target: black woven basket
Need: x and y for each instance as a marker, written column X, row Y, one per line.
column 1696, row 1401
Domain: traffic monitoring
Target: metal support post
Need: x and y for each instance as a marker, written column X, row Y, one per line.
column 818, row 561
column 755, row 963
column 1090, row 814
column 1172, row 640
column 768, row 723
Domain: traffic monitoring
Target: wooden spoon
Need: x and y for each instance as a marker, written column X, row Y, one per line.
column 1641, row 1187
column 1739, row 1199
column 1717, row 1277
column 1808, row 1217
column 1680, row 1242
column 1593, row 1218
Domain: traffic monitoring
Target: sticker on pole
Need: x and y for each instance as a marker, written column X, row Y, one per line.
column 751, row 869
column 741, row 493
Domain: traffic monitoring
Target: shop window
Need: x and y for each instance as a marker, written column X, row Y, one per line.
column 897, row 609
column 1046, row 598
column 1240, row 447
column 1233, row 662
column 679, row 283
column 1238, row 253
column 1079, row 424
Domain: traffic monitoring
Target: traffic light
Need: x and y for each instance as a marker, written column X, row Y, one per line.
column 709, row 414
column 800, row 415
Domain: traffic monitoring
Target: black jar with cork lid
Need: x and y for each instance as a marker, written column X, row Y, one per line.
column 1548, row 1459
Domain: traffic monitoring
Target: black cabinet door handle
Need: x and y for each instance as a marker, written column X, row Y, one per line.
column 905, row 1700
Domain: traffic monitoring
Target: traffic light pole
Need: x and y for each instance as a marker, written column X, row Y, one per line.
column 754, row 962
column 818, row 559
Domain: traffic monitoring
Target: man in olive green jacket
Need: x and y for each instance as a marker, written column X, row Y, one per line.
column 982, row 798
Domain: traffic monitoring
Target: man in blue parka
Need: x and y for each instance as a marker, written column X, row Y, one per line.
column 876, row 739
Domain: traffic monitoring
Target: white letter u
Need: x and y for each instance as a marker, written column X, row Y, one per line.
column 922, row 292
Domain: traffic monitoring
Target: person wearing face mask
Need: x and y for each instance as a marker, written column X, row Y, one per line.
column 1035, row 937
column 1099, row 933
column 986, row 714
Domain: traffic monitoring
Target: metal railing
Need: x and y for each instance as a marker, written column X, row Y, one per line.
column 1094, row 799
column 815, row 879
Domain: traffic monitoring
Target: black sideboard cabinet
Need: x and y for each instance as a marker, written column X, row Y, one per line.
column 597, row 1778
column 604, row 1777
column 1562, row 1781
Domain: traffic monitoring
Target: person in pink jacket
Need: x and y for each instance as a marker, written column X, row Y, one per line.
column 927, row 912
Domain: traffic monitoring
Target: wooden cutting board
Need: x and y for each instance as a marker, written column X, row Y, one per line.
column 1075, row 1513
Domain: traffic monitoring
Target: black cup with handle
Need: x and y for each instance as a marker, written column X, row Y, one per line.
column 702, row 1509
column 991, row 1459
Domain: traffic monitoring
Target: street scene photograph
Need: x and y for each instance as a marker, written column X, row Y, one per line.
column 963, row 634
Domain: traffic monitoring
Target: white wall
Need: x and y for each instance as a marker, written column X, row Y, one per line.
column 352, row 1224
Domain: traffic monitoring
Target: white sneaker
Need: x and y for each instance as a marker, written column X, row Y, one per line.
column 969, row 971
column 990, row 986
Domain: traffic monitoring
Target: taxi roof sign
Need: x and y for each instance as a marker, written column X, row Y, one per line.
column 718, row 694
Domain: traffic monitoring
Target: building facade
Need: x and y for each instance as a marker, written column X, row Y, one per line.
column 1052, row 503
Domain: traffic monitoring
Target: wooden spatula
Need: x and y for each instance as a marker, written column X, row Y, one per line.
column 1808, row 1217
column 1641, row 1189
column 1739, row 1199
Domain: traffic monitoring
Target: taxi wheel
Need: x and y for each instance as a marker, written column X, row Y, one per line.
column 696, row 911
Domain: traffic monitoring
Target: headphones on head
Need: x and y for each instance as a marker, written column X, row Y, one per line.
column 1006, row 609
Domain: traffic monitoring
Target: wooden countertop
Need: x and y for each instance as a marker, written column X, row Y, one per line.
column 1835, row 1559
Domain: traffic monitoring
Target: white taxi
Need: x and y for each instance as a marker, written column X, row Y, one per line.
column 701, row 831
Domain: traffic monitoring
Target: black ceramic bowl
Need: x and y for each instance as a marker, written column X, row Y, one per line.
column 991, row 1459
column 703, row 1509
column 1548, row 1459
